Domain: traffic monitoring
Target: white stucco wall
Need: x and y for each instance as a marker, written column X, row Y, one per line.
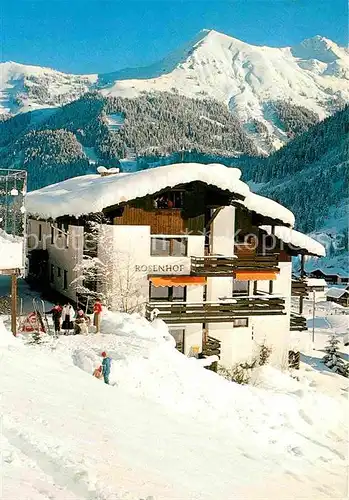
column 64, row 253
column 222, row 232
column 196, row 246
column 193, row 338
column 272, row 330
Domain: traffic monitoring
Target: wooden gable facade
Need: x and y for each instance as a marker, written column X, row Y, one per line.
column 185, row 209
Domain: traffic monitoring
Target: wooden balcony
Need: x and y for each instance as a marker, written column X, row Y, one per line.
column 299, row 288
column 298, row 323
column 216, row 312
column 215, row 265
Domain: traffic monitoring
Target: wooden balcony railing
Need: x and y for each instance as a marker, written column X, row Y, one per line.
column 211, row 347
column 298, row 323
column 216, row 265
column 299, row 288
column 216, row 312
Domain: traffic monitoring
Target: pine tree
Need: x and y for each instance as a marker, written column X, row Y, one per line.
column 332, row 358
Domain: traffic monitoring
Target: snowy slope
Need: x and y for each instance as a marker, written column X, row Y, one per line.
column 26, row 88
column 168, row 430
column 247, row 78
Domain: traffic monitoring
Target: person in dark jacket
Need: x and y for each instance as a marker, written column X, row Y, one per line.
column 106, row 367
column 56, row 312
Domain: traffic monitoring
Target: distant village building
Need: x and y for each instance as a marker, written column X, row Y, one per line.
column 331, row 279
column 338, row 295
column 317, row 288
column 187, row 243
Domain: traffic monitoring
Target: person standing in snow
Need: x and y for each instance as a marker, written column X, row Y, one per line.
column 68, row 315
column 106, row 367
column 81, row 324
column 97, row 312
column 56, row 312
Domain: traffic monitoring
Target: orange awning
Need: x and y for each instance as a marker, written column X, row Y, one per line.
column 255, row 275
column 177, row 280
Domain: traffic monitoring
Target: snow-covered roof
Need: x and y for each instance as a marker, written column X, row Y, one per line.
column 269, row 208
column 297, row 240
column 93, row 193
column 330, row 272
column 336, row 293
column 11, row 251
column 316, row 282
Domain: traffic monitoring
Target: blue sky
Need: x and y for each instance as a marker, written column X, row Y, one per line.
column 95, row 36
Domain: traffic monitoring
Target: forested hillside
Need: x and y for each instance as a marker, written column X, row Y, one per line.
column 310, row 176
column 305, row 150
column 51, row 146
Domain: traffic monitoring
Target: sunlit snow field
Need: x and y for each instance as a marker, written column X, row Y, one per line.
column 167, row 428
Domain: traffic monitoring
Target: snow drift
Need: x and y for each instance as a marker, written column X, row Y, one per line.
column 167, row 429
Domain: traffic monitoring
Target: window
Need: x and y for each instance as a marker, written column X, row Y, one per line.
column 59, row 272
column 168, row 293
column 240, row 288
column 171, row 199
column 40, row 232
column 65, row 280
column 52, row 273
column 160, row 246
column 169, row 247
column 240, row 322
column 178, row 335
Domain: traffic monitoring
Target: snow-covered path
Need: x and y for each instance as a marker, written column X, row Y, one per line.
column 168, row 430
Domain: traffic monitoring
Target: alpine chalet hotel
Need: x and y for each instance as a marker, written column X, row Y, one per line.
column 187, row 243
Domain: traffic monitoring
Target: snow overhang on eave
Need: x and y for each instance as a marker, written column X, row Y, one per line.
column 262, row 218
column 297, row 242
column 269, row 209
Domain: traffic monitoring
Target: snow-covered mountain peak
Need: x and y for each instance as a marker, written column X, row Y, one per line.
column 249, row 78
column 320, row 48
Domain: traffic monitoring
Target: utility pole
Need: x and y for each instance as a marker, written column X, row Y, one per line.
column 302, row 276
column 313, row 333
column 14, row 302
